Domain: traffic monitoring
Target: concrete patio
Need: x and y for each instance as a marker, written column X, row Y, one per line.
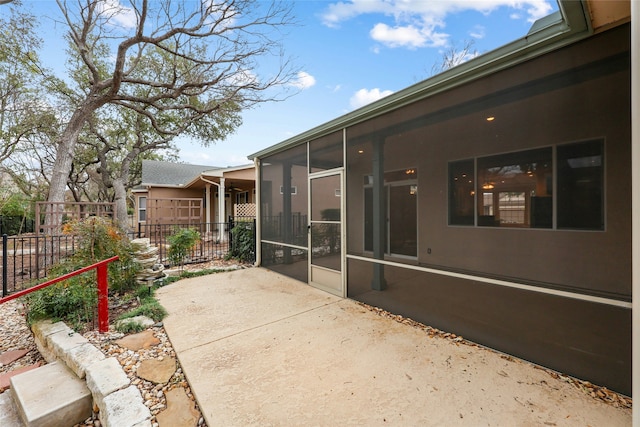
column 259, row 348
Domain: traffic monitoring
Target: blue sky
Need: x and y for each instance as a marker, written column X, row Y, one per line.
column 353, row 52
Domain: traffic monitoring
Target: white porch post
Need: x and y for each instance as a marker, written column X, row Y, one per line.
column 207, row 218
column 221, row 213
column 635, row 205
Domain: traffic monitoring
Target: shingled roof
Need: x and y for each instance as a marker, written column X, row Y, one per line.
column 165, row 173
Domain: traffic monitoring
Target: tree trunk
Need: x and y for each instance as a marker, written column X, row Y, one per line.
column 121, row 215
column 64, row 160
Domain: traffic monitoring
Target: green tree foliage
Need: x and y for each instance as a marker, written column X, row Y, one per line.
column 23, row 116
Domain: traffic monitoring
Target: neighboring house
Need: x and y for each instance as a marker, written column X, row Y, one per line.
column 492, row 201
column 179, row 193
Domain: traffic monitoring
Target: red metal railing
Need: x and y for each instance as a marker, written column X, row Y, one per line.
column 103, row 289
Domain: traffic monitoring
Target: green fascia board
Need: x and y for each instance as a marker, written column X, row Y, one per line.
column 568, row 25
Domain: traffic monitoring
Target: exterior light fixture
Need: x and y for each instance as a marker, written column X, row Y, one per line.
column 490, row 118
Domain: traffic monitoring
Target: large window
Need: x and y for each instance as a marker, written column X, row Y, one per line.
column 516, row 189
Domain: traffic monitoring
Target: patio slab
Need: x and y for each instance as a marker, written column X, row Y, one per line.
column 259, row 348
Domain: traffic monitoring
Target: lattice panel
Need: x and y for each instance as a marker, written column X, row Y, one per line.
column 244, row 209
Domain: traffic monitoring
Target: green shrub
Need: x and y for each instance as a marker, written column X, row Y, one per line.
column 99, row 239
column 242, row 242
column 181, row 242
column 74, row 300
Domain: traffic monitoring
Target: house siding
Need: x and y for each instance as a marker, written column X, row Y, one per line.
column 577, row 93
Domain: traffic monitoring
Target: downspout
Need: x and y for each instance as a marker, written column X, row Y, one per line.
column 256, row 165
column 207, row 196
column 635, row 206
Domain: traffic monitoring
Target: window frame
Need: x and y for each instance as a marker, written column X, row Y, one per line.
column 141, row 209
column 552, row 188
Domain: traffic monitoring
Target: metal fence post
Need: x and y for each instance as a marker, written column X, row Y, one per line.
column 255, row 233
column 103, row 298
column 230, row 236
column 5, row 256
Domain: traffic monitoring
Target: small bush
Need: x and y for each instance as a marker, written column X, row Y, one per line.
column 129, row 327
column 181, row 242
column 242, row 242
column 72, row 301
column 149, row 307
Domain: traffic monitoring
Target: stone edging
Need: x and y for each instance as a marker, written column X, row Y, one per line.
column 120, row 402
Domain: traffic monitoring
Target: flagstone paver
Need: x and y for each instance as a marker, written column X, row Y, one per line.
column 181, row 410
column 158, row 371
column 135, row 342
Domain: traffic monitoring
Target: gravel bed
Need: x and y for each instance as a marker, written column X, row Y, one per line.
column 153, row 394
column 15, row 334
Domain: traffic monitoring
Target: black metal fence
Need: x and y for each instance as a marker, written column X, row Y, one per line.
column 213, row 244
column 28, row 258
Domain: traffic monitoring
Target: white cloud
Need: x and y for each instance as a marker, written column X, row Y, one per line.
column 303, row 80
column 364, row 97
column 408, row 36
column 122, row 15
column 477, row 32
column 419, row 23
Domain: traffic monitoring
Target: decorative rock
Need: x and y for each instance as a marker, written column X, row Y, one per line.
column 105, row 377
column 140, row 244
column 63, row 341
column 157, row 371
column 180, row 412
column 41, row 331
column 135, row 342
column 147, row 257
column 124, row 408
column 143, row 321
column 79, row 358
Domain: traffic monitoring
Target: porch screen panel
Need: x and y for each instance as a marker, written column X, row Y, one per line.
column 326, row 153
column 284, row 212
column 283, row 194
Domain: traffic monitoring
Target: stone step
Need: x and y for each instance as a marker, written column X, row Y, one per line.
column 8, row 412
column 51, row 396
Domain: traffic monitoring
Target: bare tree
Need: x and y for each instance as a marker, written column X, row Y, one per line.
column 454, row 56
column 175, row 63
